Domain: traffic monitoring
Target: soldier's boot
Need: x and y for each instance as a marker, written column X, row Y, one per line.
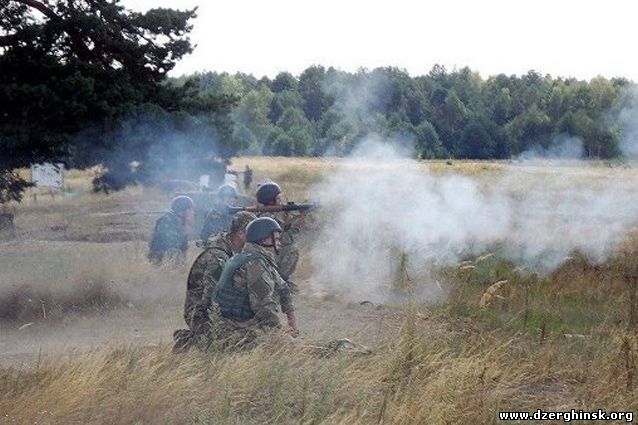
column 184, row 340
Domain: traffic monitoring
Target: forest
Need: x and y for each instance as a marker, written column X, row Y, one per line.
column 444, row 114
column 88, row 83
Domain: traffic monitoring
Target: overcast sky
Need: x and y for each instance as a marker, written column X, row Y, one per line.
column 565, row 38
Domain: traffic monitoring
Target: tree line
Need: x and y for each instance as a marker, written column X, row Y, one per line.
column 444, row 114
column 86, row 82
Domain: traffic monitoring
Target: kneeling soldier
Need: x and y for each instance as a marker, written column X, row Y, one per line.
column 250, row 291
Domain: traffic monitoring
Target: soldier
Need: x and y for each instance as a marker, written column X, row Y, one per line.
column 248, row 177
column 270, row 193
column 250, row 290
column 170, row 240
column 207, row 269
column 219, row 218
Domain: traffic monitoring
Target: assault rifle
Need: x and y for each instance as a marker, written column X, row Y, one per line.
column 290, row 206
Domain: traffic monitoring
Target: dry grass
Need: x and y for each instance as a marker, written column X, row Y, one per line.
column 559, row 341
column 442, row 370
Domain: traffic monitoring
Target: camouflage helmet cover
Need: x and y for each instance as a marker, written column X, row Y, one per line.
column 241, row 220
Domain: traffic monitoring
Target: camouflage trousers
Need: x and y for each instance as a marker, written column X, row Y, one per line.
column 222, row 334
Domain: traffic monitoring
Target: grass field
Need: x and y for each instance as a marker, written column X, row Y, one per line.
column 86, row 322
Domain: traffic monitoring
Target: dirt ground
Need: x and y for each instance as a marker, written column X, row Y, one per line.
column 143, row 326
column 68, row 293
column 69, row 246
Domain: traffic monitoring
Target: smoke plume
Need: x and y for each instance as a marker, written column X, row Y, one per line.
column 626, row 118
column 388, row 212
column 562, row 146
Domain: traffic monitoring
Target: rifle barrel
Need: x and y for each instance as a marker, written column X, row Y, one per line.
column 291, row 206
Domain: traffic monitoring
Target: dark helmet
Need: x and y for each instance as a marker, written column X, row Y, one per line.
column 241, row 220
column 226, row 191
column 180, row 204
column 267, row 192
column 261, row 228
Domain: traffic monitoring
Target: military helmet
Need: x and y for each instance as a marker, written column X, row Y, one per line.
column 261, row 228
column 181, row 203
column 267, row 192
column 241, row 220
column 226, row 191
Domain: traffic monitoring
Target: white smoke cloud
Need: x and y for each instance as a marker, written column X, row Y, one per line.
column 627, row 121
column 383, row 206
column 563, row 146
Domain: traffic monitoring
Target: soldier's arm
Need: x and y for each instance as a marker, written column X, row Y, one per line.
column 285, row 297
column 287, row 307
column 261, row 292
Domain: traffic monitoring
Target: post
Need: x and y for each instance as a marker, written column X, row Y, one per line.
column 7, row 225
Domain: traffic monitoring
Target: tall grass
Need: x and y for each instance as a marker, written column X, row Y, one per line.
column 448, row 371
column 559, row 341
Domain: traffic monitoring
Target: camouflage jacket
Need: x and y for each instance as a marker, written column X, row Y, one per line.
column 287, row 223
column 267, row 291
column 217, row 220
column 289, row 253
column 202, row 280
column 169, row 238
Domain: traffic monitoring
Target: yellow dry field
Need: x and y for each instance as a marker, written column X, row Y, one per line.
column 86, row 326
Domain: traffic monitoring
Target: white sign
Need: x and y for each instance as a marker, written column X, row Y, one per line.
column 230, row 179
column 204, row 181
column 47, row 175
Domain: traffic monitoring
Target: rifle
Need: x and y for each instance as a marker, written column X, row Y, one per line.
column 290, row 206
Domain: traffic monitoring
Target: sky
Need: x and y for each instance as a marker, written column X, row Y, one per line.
column 566, row 38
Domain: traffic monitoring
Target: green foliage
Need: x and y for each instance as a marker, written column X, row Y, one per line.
column 444, row 114
column 94, row 75
column 311, row 88
column 576, row 298
column 11, row 186
column 475, row 142
column 77, row 75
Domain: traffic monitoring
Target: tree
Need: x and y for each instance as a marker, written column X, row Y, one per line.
column 283, row 81
column 427, row 142
column 68, row 66
column 299, row 129
column 316, row 101
column 279, row 143
column 531, row 128
column 475, row 142
column 252, row 111
column 282, row 101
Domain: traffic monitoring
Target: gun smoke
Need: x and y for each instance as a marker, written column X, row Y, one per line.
column 562, row 146
column 150, row 147
column 625, row 115
column 391, row 208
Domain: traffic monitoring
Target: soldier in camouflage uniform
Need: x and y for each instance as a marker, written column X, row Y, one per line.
column 219, row 218
column 170, row 237
column 251, row 292
column 270, row 193
column 207, row 269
